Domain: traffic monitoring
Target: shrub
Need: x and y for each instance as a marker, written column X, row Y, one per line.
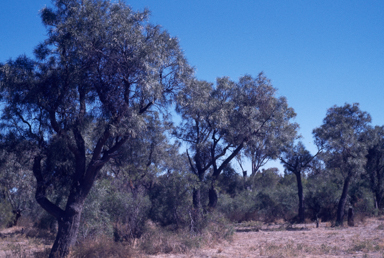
column 100, row 248
column 6, row 214
column 171, row 199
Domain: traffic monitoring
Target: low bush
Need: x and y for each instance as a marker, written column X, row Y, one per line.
column 158, row 239
column 101, row 248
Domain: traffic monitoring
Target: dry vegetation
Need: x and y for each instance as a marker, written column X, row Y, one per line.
column 251, row 239
column 366, row 239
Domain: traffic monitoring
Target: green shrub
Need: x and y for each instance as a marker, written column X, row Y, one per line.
column 171, row 199
column 6, row 214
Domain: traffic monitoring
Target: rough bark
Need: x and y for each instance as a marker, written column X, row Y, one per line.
column 196, row 212
column 68, row 219
column 342, row 201
column 301, row 198
column 67, row 234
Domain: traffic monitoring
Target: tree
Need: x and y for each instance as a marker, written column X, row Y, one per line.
column 342, row 137
column 84, row 95
column 218, row 122
column 260, row 150
column 296, row 160
column 374, row 167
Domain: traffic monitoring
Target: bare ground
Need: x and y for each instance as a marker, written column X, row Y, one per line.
column 253, row 239
column 17, row 242
column 366, row 239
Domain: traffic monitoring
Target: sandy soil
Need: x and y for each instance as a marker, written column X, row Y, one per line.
column 366, row 239
column 14, row 243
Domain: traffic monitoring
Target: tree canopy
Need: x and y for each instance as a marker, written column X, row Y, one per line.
column 84, row 94
column 342, row 136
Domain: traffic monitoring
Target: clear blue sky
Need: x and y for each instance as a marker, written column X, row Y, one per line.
column 317, row 53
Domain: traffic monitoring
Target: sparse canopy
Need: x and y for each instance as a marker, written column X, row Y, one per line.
column 296, row 159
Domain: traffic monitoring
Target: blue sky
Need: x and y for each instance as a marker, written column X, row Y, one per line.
column 317, row 53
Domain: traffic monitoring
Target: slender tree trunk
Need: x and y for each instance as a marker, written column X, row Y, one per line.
column 343, row 199
column 378, row 189
column 212, row 196
column 378, row 200
column 196, row 211
column 301, row 198
column 196, row 199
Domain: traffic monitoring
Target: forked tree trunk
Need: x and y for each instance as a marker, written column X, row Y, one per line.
column 343, row 200
column 68, row 219
column 301, row 198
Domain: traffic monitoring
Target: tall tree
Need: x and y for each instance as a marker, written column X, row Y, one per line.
column 374, row 167
column 218, row 122
column 342, row 136
column 296, row 160
column 84, row 95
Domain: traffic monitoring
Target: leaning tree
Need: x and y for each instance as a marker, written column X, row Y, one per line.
column 83, row 96
column 343, row 139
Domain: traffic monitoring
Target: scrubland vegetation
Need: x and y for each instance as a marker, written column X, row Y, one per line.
column 110, row 147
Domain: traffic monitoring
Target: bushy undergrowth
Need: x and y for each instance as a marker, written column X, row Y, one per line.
column 126, row 219
column 6, row 214
column 101, row 248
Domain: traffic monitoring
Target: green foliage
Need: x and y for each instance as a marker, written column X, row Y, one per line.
column 6, row 214
column 271, row 197
column 343, row 138
column 374, row 167
column 171, row 200
column 96, row 219
column 230, row 182
column 322, row 196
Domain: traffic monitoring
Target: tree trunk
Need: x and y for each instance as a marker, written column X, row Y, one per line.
column 351, row 217
column 196, row 212
column 300, row 194
column 196, row 199
column 212, row 197
column 343, row 199
column 378, row 200
column 378, row 191
column 67, row 233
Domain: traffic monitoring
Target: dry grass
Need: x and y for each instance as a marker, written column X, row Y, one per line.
column 366, row 239
column 252, row 239
column 157, row 240
column 19, row 243
column 101, row 248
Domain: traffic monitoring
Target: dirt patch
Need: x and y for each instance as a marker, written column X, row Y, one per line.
column 302, row 240
column 18, row 242
column 251, row 239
